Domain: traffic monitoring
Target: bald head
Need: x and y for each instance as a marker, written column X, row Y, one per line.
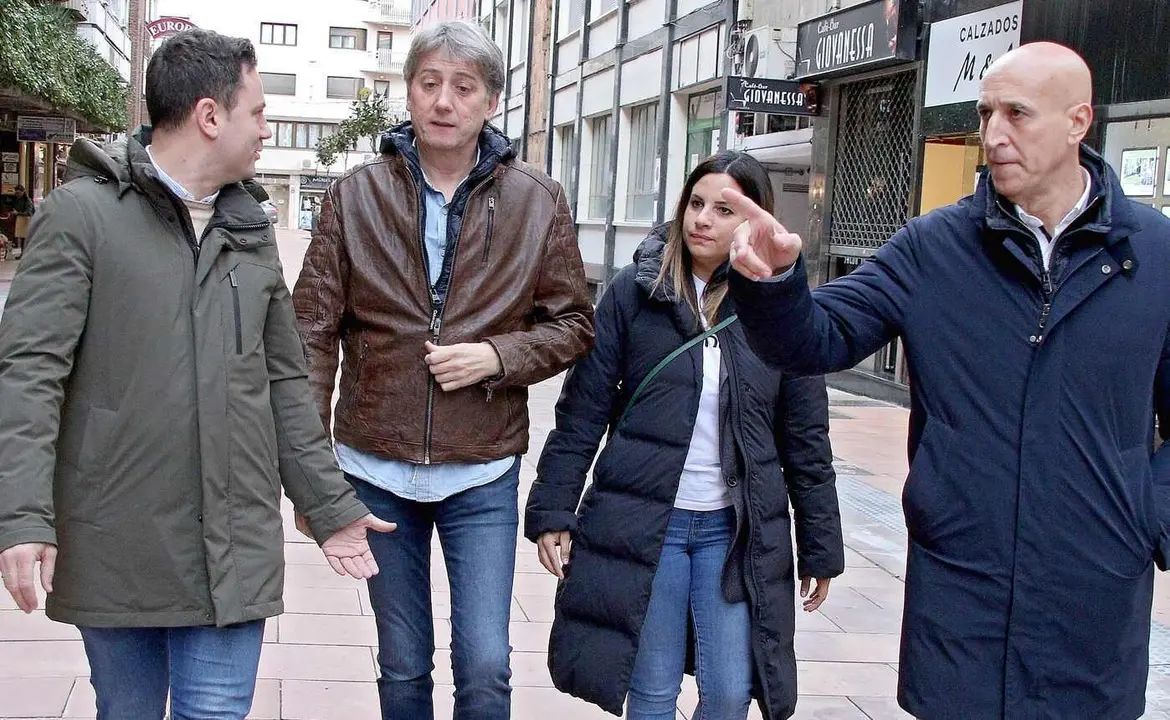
column 1048, row 69
column 1035, row 108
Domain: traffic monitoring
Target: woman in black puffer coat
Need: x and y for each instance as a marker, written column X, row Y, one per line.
column 681, row 550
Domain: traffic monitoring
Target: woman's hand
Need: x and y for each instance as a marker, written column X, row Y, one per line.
column 819, row 594
column 553, row 550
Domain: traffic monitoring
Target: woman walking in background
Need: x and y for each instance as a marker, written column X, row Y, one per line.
column 681, row 549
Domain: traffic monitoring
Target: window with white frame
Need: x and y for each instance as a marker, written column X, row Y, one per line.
column 641, row 190
column 342, row 88
column 607, row 5
column 601, row 137
column 278, row 34
column 565, row 137
column 279, row 83
column 573, row 13
column 342, row 38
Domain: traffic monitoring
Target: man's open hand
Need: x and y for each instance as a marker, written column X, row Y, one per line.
column 761, row 246
column 18, row 567
column 348, row 551
column 462, row 365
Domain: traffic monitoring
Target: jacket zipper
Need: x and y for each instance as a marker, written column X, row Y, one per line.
column 1046, row 288
column 438, row 309
column 236, row 310
column 487, row 245
column 752, row 582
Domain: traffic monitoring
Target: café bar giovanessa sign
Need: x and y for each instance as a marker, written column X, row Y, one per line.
column 860, row 36
column 167, row 26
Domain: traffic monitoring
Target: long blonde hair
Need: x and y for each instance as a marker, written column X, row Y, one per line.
column 676, row 272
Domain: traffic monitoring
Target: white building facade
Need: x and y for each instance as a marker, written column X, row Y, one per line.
column 105, row 24
column 315, row 59
column 633, row 97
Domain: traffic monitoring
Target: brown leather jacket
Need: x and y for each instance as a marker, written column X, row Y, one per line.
column 515, row 280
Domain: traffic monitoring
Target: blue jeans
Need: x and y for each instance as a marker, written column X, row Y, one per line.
column 209, row 671
column 477, row 530
column 687, row 582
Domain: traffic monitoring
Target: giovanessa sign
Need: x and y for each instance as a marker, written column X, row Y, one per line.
column 166, row 26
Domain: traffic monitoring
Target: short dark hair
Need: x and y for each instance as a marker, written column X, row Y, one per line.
column 190, row 66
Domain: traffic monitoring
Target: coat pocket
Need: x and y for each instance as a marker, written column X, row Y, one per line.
column 1138, row 473
column 235, row 283
column 927, row 502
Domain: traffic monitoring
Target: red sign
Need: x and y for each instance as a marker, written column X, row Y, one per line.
column 166, row 26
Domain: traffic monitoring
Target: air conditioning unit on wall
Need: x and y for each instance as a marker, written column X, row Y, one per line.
column 762, row 57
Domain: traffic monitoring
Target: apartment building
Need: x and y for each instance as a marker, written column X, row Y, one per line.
column 315, row 59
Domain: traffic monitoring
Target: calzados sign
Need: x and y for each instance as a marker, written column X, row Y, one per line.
column 781, row 97
column 963, row 48
column 166, row 26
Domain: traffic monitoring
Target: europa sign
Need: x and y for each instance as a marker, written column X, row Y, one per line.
column 766, row 95
column 166, row 26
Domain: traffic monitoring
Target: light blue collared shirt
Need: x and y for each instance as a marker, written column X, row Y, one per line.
column 425, row 483
column 174, row 186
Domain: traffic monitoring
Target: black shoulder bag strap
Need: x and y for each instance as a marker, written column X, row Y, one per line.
column 671, row 358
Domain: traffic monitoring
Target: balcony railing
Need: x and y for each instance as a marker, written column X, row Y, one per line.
column 80, row 8
column 391, row 13
column 388, row 61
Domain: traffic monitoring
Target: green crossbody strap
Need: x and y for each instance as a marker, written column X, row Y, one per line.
column 671, row 358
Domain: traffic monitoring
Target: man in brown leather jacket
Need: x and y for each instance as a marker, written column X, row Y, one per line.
column 449, row 273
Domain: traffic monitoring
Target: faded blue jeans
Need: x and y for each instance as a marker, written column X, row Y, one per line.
column 477, row 530
column 209, row 671
column 687, row 584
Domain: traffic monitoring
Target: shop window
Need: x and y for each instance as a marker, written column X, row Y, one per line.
column 950, row 170
column 703, row 127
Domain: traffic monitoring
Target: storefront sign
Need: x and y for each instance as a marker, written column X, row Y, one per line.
column 963, row 48
column 46, row 129
column 781, row 97
column 316, row 182
column 166, row 26
column 858, row 36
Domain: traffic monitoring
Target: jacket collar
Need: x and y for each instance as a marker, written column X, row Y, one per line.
column 495, row 150
column 127, row 163
column 1108, row 215
column 649, row 258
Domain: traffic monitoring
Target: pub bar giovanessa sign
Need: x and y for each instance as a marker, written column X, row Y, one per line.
column 863, row 35
column 766, row 95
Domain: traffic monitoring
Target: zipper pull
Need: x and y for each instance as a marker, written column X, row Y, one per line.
column 491, row 203
column 489, row 394
column 1047, row 280
column 435, row 322
column 232, row 278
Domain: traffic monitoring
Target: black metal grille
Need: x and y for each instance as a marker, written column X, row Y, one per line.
column 873, row 174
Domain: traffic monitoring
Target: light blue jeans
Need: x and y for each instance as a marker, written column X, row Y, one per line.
column 209, row 671
column 687, row 583
column 477, row 529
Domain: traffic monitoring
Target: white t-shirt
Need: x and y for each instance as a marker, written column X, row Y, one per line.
column 701, row 486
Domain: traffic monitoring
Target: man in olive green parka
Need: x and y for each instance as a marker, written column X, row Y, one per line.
column 154, row 401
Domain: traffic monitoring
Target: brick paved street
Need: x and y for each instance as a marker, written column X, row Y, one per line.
column 318, row 660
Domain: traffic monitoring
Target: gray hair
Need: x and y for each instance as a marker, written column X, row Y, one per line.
column 459, row 40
